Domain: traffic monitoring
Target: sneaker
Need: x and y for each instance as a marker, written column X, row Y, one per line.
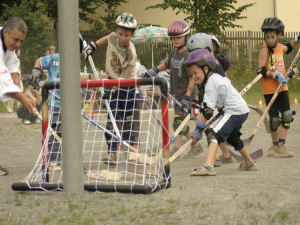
column 282, row 152
column 54, row 167
column 272, row 150
column 111, row 159
column 3, row 171
column 204, row 170
column 196, row 149
column 26, row 122
column 226, row 160
column 37, row 121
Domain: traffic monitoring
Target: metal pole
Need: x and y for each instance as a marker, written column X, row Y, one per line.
column 68, row 38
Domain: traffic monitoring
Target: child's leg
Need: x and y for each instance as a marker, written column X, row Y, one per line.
column 212, row 151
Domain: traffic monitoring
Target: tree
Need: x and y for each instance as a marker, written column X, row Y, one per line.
column 210, row 16
column 37, row 37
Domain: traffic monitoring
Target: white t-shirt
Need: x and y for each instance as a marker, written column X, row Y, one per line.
column 219, row 90
column 9, row 63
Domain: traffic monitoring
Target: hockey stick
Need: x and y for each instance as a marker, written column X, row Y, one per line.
column 101, row 90
column 248, row 140
column 260, row 112
column 254, row 155
column 152, row 160
column 105, row 175
column 94, row 122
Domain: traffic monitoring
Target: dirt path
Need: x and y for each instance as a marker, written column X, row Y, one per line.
column 269, row 196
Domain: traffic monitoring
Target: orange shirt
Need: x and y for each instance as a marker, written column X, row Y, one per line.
column 269, row 84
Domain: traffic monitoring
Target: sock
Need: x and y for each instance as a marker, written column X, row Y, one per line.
column 275, row 143
column 282, row 141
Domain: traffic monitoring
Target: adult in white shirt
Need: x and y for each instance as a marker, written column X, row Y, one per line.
column 11, row 36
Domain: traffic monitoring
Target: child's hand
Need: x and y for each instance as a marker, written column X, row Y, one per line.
column 196, row 135
column 89, row 49
column 280, row 78
column 297, row 38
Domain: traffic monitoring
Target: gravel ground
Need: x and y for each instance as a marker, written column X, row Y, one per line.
column 270, row 195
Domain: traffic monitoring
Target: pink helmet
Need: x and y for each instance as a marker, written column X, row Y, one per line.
column 178, row 28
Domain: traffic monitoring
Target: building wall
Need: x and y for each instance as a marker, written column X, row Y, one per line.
column 286, row 10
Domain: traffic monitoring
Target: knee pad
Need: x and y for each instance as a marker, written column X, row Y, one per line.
column 274, row 123
column 287, row 118
column 211, row 136
column 236, row 142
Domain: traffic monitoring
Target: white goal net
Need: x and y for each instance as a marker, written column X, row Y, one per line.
column 125, row 138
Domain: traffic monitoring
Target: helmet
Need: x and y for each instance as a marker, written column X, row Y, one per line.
column 199, row 40
column 201, row 57
column 178, row 28
column 215, row 40
column 273, row 23
column 126, row 20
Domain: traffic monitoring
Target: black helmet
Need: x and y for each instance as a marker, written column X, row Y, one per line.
column 273, row 23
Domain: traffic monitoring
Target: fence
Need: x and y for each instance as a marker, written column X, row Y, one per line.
column 242, row 47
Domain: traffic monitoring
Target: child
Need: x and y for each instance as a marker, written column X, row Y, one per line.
column 52, row 64
column 222, row 59
column 181, row 82
column 218, row 89
column 204, row 41
column 271, row 66
column 120, row 63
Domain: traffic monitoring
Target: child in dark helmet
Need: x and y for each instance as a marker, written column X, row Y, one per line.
column 222, row 59
column 218, row 89
column 181, row 82
column 271, row 66
column 204, row 41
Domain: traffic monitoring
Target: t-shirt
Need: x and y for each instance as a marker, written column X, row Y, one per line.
column 275, row 62
column 9, row 63
column 179, row 76
column 51, row 63
column 218, row 89
column 120, row 62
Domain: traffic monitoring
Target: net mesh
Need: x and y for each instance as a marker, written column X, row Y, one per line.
column 133, row 158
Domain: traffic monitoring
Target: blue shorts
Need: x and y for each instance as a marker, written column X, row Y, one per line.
column 228, row 129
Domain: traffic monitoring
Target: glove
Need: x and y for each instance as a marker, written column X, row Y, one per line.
column 186, row 104
column 280, row 78
column 196, row 135
column 297, row 38
column 151, row 72
column 294, row 71
column 89, row 49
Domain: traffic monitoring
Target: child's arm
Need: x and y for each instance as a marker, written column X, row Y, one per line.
column 91, row 47
column 262, row 62
column 291, row 45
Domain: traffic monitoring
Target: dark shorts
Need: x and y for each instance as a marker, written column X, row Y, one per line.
column 228, row 129
column 281, row 103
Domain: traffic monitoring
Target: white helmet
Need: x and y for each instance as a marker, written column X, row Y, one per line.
column 199, row 40
column 126, row 20
column 215, row 40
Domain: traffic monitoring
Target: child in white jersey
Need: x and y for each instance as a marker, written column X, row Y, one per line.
column 218, row 89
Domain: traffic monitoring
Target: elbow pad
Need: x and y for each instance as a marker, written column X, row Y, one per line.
column 289, row 48
column 262, row 70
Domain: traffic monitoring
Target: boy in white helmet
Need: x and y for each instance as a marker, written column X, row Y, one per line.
column 120, row 63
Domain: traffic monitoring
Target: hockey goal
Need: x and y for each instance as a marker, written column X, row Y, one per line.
column 125, row 119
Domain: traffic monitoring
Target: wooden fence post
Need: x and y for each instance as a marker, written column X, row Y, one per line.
column 250, row 49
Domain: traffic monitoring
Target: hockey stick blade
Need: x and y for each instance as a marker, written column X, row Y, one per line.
column 254, row 155
column 260, row 112
column 105, row 175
